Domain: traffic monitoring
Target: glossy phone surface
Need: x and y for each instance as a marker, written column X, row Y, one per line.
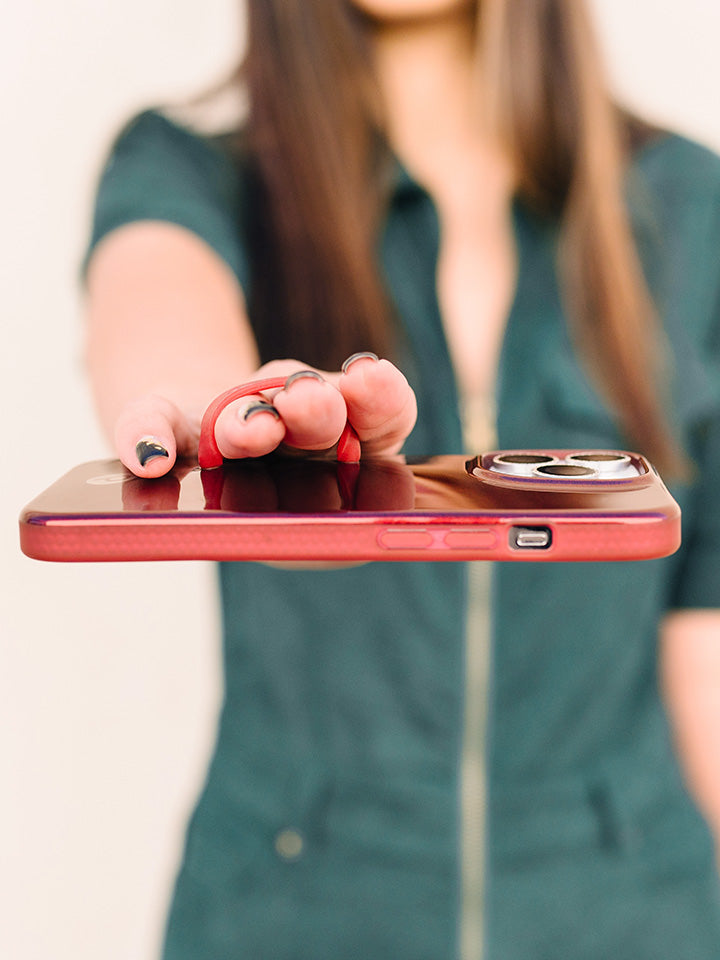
column 522, row 505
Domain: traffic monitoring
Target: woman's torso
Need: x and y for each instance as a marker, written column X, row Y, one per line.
column 344, row 706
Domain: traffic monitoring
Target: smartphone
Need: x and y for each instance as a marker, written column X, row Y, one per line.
column 516, row 505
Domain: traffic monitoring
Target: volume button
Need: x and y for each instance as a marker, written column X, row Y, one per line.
column 405, row 539
column 480, row 539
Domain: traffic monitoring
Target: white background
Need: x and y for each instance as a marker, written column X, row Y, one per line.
column 109, row 678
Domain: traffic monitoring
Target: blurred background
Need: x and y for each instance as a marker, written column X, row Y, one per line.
column 109, row 678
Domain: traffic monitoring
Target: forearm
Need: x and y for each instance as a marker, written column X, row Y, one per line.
column 168, row 332
column 165, row 317
column 690, row 675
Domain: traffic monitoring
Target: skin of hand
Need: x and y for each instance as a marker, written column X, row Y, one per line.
column 168, row 332
column 308, row 416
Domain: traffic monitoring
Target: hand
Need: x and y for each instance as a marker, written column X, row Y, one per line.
column 307, row 416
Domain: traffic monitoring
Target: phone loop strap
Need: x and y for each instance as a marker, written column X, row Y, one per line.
column 209, row 456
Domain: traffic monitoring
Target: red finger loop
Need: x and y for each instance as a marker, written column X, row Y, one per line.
column 209, row 456
column 348, row 448
column 208, row 451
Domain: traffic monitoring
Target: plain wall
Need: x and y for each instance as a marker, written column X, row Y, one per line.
column 109, row 677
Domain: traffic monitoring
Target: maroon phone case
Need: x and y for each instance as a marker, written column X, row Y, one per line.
column 437, row 508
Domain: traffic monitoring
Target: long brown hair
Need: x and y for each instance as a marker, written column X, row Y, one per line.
column 316, row 161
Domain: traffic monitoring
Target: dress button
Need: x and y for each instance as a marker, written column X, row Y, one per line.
column 289, row 844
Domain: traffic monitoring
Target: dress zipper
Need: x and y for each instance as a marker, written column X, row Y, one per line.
column 479, row 436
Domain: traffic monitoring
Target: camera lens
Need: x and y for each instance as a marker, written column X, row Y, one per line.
column 605, row 461
column 571, row 471
column 521, row 464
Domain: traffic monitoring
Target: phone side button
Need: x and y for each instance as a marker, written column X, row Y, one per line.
column 471, row 539
column 405, row 539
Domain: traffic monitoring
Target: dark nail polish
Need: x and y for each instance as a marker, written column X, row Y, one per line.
column 363, row 355
column 147, row 449
column 260, row 406
column 302, row 375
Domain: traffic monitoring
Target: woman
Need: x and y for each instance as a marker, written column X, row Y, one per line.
column 447, row 183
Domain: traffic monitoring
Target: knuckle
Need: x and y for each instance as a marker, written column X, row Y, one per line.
column 277, row 368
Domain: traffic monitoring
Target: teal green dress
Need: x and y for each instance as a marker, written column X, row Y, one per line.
column 329, row 826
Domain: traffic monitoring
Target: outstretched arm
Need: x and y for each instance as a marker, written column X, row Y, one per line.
column 168, row 331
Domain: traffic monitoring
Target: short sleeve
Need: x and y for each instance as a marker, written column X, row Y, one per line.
column 698, row 584
column 159, row 170
column 680, row 183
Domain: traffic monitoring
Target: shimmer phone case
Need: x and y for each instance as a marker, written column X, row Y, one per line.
column 522, row 505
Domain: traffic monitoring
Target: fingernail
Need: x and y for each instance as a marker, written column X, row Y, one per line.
column 148, row 448
column 363, row 355
column 302, row 375
column 259, row 406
